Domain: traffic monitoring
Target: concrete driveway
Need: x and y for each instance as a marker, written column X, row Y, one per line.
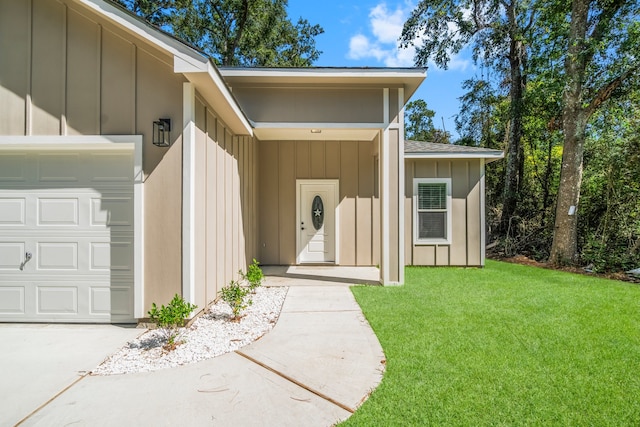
column 315, row 368
column 38, row 361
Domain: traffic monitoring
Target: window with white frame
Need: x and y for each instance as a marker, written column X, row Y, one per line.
column 432, row 210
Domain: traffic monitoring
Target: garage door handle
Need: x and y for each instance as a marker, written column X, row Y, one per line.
column 27, row 258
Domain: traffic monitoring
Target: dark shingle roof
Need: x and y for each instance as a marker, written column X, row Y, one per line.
column 436, row 149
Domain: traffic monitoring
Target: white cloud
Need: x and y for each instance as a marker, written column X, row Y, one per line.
column 457, row 62
column 387, row 26
column 383, row 45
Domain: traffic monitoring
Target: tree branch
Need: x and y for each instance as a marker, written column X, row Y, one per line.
column 605, row 92
column 240, row 27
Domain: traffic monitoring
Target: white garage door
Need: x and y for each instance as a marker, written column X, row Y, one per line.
column 66, row 236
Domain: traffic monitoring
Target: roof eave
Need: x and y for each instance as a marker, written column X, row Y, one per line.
column 409, row 78
column 210, row 84
column 146, row 31
column 489, row 157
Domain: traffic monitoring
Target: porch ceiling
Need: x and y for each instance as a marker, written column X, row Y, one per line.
column 310, row 133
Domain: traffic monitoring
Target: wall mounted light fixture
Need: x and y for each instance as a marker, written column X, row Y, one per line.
column 162, row 132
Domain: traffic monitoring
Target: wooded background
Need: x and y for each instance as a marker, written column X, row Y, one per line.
column 559, row 92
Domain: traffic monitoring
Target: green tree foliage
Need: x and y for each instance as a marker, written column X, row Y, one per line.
column 497, row 31
column 610, row 202
column 579, row 96
column 236, row 32
column 482, row 120
column 599, row 42
column 418, row 119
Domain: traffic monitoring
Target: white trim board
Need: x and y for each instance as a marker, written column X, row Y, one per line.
column 401, row 189
column 76, row 142
column 483, row 227
column 188, row 193
column 452, row 155
column 416, row 240
column 384, row 193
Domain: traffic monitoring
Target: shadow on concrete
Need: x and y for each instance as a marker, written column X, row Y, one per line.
column 331, row 274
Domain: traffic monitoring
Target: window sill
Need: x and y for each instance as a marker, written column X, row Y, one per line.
column 423, row 242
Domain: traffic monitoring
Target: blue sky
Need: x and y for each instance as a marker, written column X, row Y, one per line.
column 365, row 33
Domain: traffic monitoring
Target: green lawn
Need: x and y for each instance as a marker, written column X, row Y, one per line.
column 505, row 345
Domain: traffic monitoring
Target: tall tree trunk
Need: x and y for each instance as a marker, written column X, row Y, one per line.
column 565, row 237
column 515, row 151
column 546, row 183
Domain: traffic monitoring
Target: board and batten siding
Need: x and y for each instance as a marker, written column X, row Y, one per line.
column 352, row 163
column 66, row 71
column 311, row 105
column 465, row 248
column 226, row 211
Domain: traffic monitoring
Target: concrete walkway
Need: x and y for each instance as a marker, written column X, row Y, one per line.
column 314, row 368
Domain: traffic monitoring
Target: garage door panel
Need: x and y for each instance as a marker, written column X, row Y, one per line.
column 58, row 168
column 11, row 255
column 12, row 211
column 57, row 299
column 73, row 212
column 115, row 256
column 105, row 254
column 13, row 168
column 12, row 299
column 108, row 211
column 111, row 168
column 111, row 300
column 58, row 211
column 57, row 256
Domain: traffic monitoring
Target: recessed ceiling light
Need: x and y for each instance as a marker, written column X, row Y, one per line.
column 316, row 130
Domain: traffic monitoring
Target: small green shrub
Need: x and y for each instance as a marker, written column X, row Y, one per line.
column 171, row 318
column 253, row 276
column 236, row 296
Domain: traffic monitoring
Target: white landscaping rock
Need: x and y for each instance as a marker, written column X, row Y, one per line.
column 211, row 335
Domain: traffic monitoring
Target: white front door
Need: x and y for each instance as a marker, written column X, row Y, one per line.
column 317, row 202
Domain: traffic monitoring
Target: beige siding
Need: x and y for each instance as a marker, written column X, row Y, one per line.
column 282, row 162
column 225, row 222
column 268, row 201
column 348, row 194
column 162, row 228
column 464, row 249
column 364, row 203
column 287, row 200
column 15, row 60
column 67, row 71
column 118, row 101
column 83, row 75
column 306, row 105
column 375, row 201
column 317, row 153
column 48, row 66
